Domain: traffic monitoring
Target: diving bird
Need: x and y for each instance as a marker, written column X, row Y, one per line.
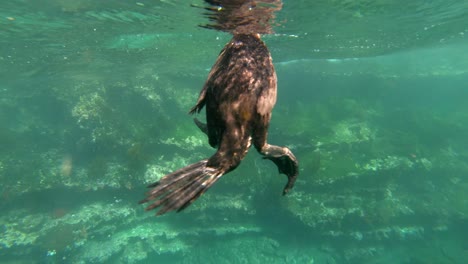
column 238, row 96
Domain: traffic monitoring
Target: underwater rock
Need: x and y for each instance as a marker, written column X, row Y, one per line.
column 352, row 131
column 387, row 163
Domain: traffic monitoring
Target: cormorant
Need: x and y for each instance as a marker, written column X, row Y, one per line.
column 239, row 95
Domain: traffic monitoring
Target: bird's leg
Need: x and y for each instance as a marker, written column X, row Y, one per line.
column 281, row 156
column 202, row 126
column 213, row 138
column 284, row 160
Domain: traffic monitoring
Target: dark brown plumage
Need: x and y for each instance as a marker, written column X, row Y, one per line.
column 239, row 95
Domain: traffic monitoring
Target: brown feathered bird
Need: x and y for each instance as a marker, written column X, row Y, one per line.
column 239, row 95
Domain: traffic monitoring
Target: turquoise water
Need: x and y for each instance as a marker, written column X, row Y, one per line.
column 372, row 99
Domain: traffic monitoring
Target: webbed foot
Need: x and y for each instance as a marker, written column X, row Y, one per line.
column 285, row 161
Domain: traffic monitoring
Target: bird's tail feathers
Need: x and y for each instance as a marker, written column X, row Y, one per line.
column 179, row 189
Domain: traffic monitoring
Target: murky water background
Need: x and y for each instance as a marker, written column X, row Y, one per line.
column 372, row 100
